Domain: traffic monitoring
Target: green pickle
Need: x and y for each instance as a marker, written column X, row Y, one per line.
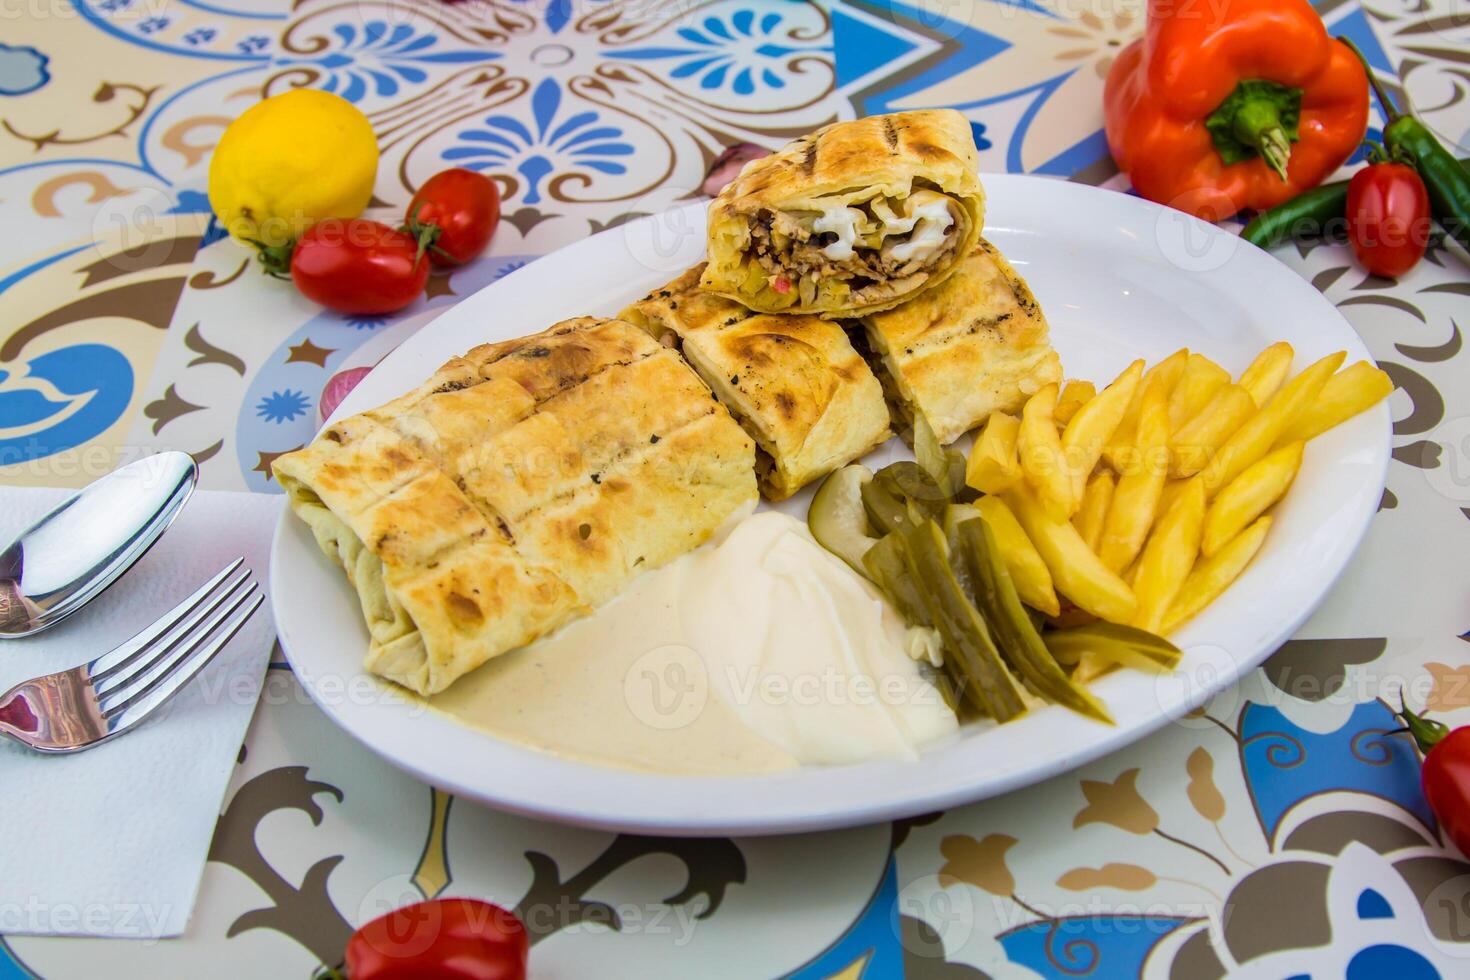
column 988, row 684
column 886, row 512
column 884, row 563
column 837, row 517
column 1126, row 646
column 999, row 602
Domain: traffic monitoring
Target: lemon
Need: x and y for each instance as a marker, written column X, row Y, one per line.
column 290, row 161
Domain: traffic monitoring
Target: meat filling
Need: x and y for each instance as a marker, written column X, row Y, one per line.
column 872, row 242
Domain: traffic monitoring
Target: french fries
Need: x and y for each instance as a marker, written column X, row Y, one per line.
column 1267, row 371
column 1078, row 573
column 1074, row 395
column 1136, row 499
column 1248, row 496
column 1201, row 380
column 993, row 465
column 1042, row 462
column 1096, row 500
column 1214, row 575
column 1255, row 438
column 1168, row 556
column 1167, row 372
column 1023, row 561
column 1356, row 388
column 1140, row 503
column 1095, row 423
column 1198, row 441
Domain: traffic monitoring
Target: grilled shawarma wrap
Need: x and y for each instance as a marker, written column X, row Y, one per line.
column 522, row 485
column 794, row 382
column 854, row 218
column 977, row 343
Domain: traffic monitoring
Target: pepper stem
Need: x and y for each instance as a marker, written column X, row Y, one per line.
column 1259, row 118
column 1258, row 125
column 1426, row 732
column 1378, row 89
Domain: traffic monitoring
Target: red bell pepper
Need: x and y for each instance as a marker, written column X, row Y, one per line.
column 441, row 939
column 1213, row 113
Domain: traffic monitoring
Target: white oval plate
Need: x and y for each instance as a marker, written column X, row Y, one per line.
column 1119, row 278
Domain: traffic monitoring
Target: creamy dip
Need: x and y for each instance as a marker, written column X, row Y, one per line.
column 759, row 653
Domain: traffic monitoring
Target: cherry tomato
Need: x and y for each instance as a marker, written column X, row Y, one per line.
column 454, row 214
column 442, row 939
column 358, row 266
column 1446, row 773
column 1388, row 217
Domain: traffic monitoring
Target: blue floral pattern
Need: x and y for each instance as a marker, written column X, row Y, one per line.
column 382, row 58
column 579, row 141
column 735, row 52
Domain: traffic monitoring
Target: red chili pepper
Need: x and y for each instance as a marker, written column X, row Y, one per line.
column 1446, row 773
column 1388, row 217
column 442, row 939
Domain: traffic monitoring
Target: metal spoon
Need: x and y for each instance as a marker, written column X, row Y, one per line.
column 69, row 556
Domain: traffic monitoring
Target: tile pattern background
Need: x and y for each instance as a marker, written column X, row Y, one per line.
column 1280, row 831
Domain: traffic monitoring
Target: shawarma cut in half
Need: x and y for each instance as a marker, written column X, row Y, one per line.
column 854, row 218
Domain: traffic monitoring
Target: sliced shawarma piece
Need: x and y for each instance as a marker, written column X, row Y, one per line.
column 975, row 344
column 795, row 383
column 521, row 486
column 854, row 218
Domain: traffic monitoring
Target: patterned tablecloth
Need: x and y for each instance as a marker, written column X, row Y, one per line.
column 1280, row 831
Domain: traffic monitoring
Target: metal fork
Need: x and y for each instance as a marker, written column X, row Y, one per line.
column 77, row 708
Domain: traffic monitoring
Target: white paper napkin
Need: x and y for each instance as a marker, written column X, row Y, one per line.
column 112, row 841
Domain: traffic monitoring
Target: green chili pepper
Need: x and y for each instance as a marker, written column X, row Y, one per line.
column 1310, row 213
column 1446, row 179
column 1313, row 213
